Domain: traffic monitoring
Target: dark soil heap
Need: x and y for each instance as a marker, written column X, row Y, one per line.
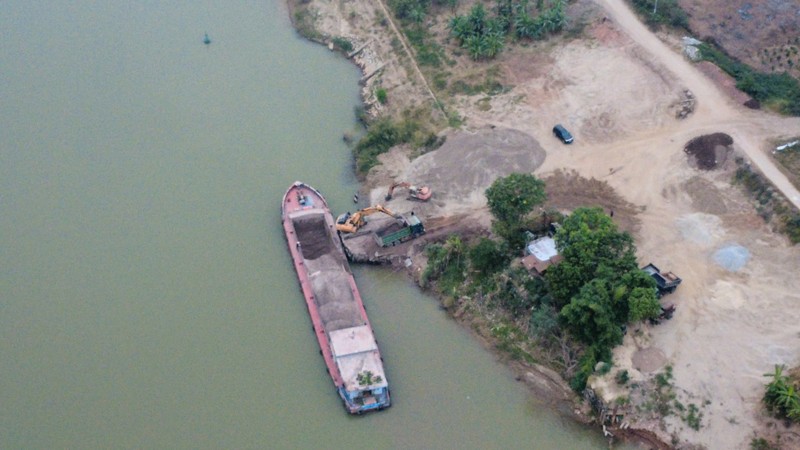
column 709, row 151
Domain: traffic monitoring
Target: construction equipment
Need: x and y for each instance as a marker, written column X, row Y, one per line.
column 408, row 226
column 350, row 223
column 422, row 193
column 666, row 282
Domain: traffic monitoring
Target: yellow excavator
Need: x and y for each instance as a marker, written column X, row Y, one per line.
column 421, row 193
column 350, row 223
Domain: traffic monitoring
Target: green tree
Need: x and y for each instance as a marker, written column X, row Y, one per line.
column 475, row 46
column 477, row 18
column 460, row 28
column 493, row 44
column 512, row 197
column 642, row 304
column 635, row 297
column 380, row 95
column 589, row 317
column 592, row 247
column 486, row 257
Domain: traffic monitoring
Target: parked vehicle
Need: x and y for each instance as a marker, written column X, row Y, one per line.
column 421, row 193
column 560, row 132
column 350, row 223
column 666, row 282
column 408, row 226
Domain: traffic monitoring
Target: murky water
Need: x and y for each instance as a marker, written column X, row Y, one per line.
column 146, row 295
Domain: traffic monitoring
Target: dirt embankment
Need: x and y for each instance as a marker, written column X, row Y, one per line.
column 617, row 88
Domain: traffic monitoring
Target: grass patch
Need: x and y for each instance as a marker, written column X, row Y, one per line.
column 789, row 158
column 382, row 135
column 428, row 52
column 779, row 92
column 665, row 13
column 770, row 205
column 305, row 23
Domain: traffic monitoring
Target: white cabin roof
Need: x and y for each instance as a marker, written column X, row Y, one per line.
column 543, row 248
column 356, row 352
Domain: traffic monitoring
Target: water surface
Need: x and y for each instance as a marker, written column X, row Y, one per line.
column 146, row 294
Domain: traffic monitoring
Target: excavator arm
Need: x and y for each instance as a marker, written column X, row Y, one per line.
column 350, row 223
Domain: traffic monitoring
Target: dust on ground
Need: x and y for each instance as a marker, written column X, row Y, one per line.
column 616, row 89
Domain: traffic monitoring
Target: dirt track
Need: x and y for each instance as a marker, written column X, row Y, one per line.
column 715, row 109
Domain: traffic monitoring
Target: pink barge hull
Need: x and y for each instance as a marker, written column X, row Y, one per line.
column 340, row 322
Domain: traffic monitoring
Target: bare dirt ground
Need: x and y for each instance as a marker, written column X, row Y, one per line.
column 617, row 90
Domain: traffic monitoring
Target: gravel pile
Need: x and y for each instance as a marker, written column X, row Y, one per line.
column 732, row 257
column 700, row 228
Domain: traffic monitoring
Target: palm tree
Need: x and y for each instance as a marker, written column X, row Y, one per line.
column 493, row 43
column 460, row 28
column 417, row 14
column 477, row 18
column 474, row 45
column 525, row 27
column 788, row 400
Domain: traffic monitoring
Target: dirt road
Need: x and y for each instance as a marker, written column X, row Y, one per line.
column 715, row 110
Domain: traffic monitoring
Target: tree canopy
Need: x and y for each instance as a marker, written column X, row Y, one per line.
column 512, row 197
column 592, row 247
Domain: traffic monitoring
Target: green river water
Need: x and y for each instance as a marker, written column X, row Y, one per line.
column 146, row 294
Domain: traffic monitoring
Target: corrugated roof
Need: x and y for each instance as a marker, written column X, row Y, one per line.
column 543, row 248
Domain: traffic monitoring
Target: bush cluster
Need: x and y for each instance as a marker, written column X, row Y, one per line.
column 667, row 12
column 781, row 396
column 767, row 203
column 385, row 133
column 484, row 35
column 590, row 295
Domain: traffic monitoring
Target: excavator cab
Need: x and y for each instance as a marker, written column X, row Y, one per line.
column 421, row 193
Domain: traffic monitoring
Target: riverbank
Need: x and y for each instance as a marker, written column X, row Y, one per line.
column 623, row 101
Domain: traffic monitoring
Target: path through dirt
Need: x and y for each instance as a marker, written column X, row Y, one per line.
column 714, row 107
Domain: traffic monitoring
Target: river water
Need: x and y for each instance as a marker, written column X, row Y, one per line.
column 146, row 294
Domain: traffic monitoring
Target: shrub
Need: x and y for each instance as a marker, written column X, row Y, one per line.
column 781, row 91
column 781, row 395
column 380, row 137
column 380, row 95
column 667, row 12
column 486, row 257
column 343, row 44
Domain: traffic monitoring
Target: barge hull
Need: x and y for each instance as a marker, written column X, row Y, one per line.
column 337, row 313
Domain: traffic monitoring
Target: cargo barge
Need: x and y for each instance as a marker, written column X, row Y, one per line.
column 346, row 340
